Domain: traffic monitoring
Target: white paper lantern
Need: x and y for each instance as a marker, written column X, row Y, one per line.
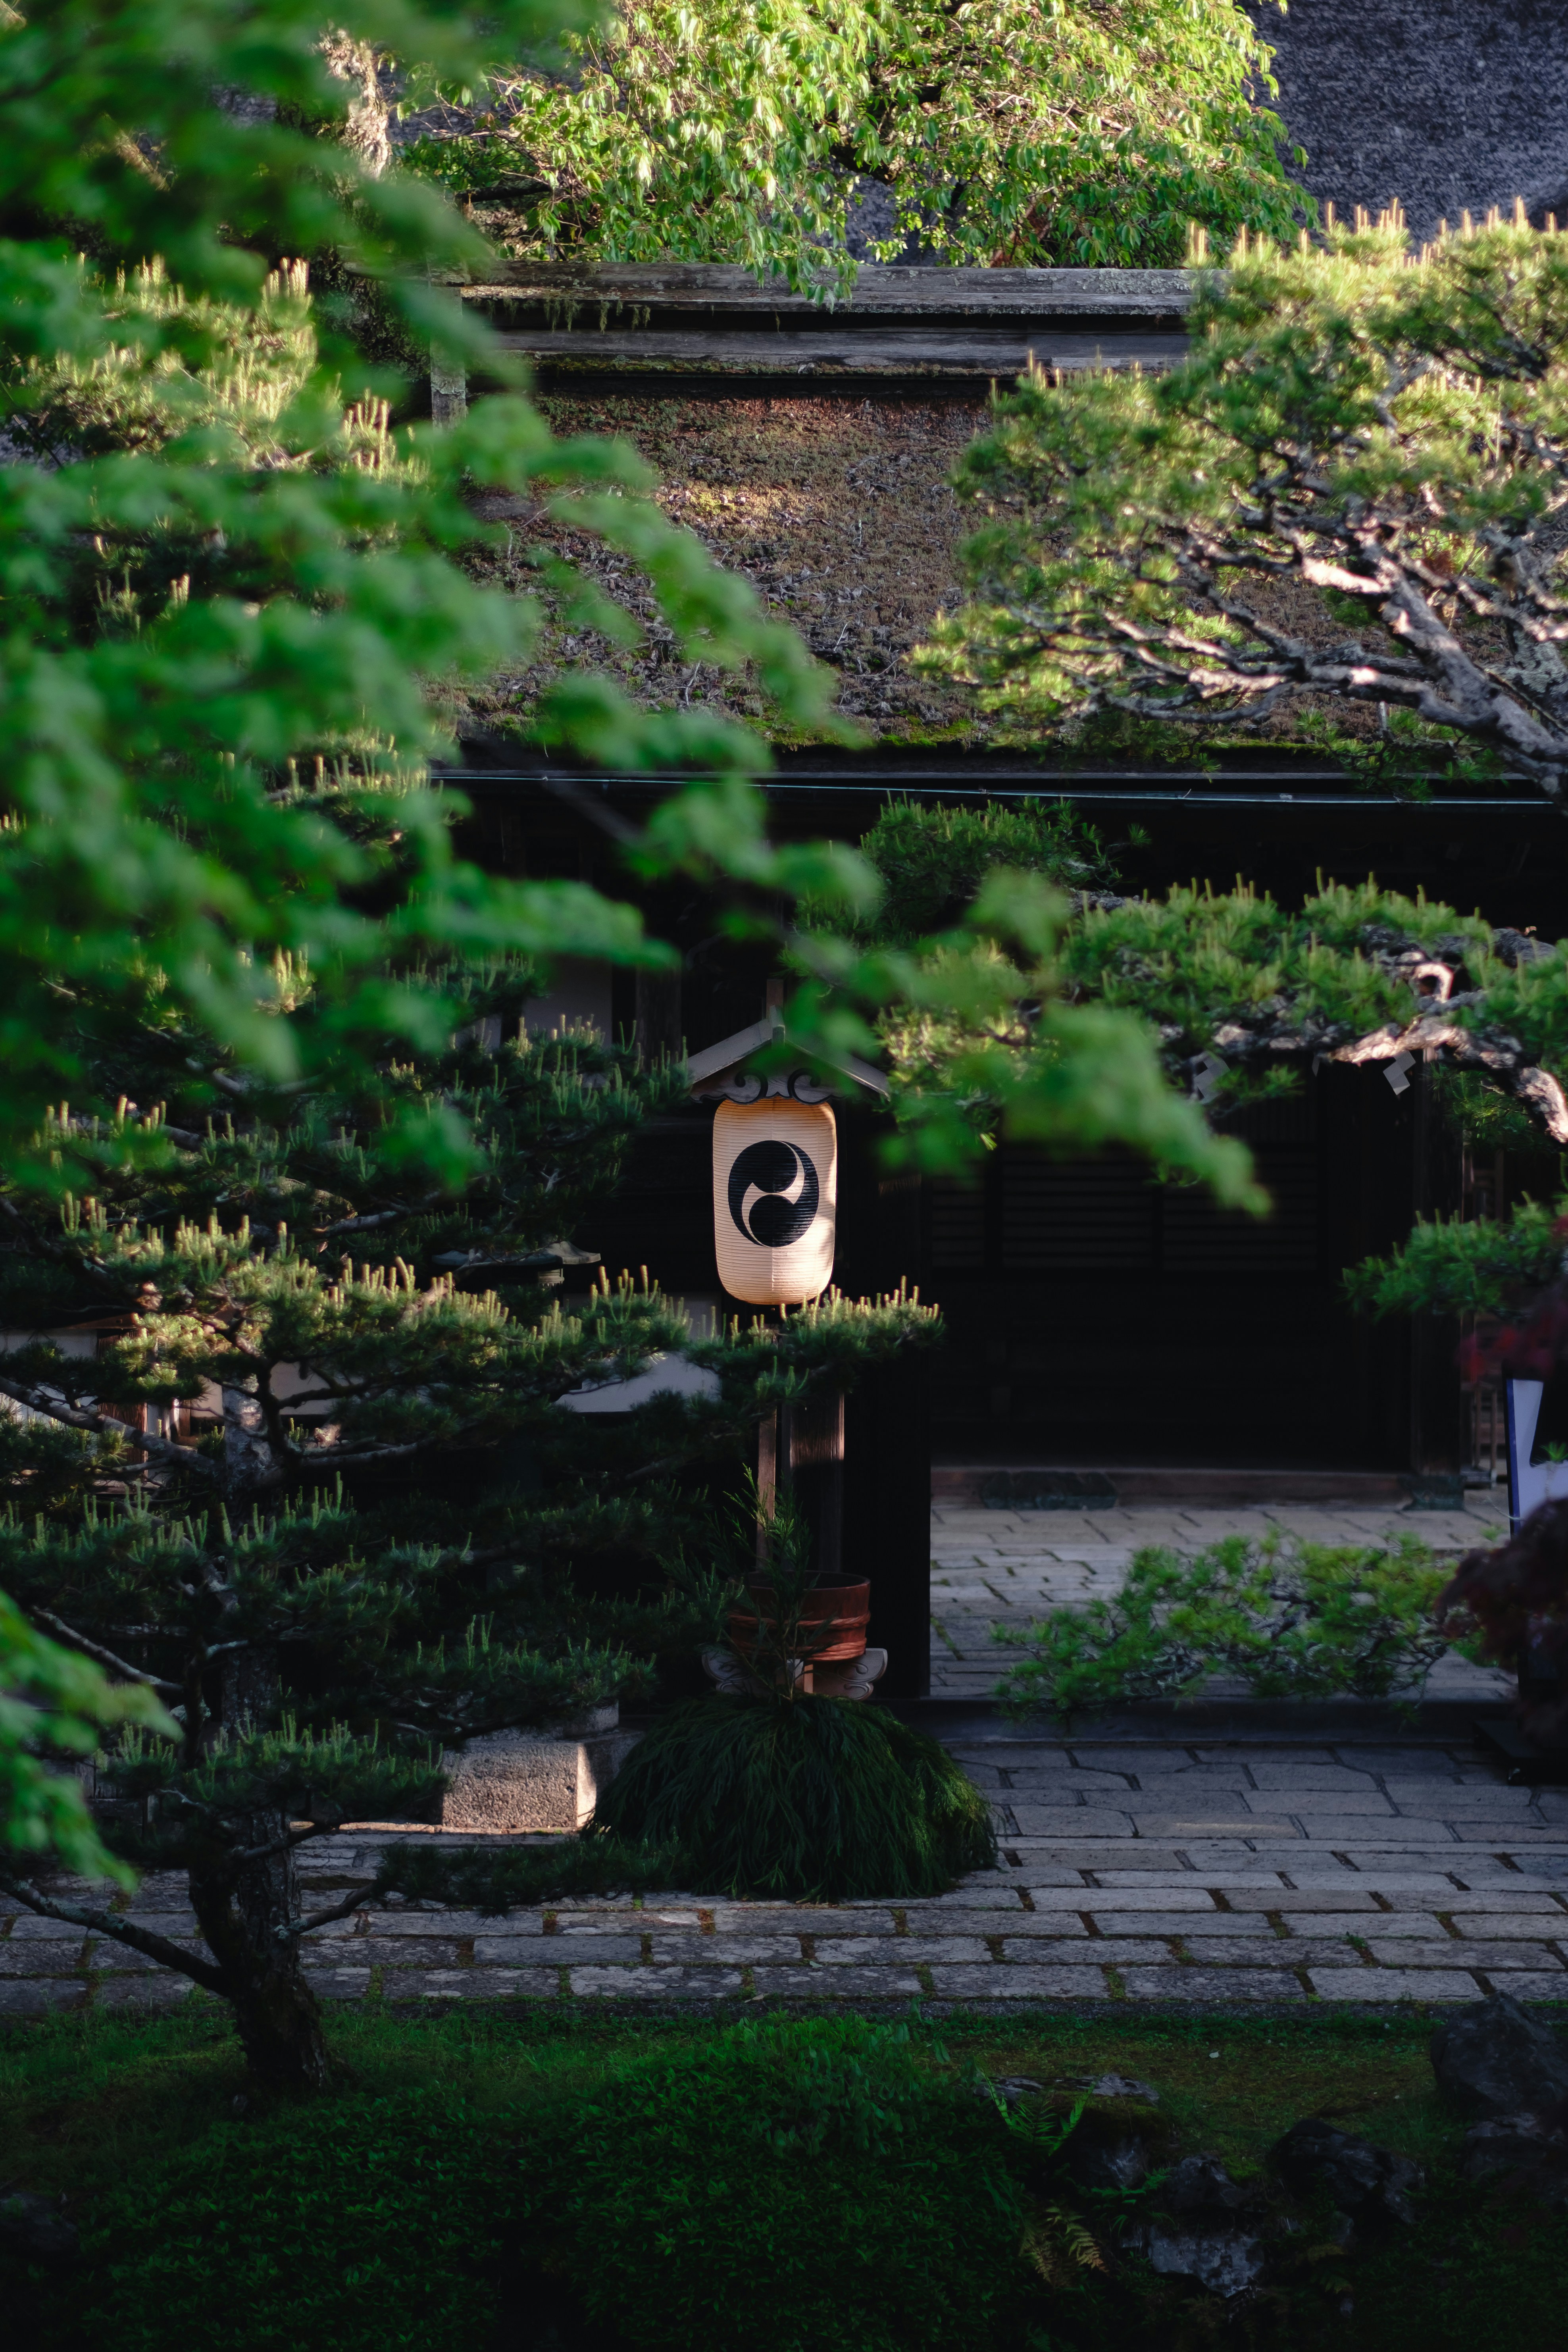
column 775, row 1199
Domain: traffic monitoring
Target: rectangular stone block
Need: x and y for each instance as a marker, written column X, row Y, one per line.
column 1112, row 1920
column 1044, row 1951
column 1420, row 1923
column 32, row 1927
column 803, row 1918
column 993, row 1893
column 1337, row 1804
column 1521, row 1985
column 1123, row 1951
column 1293, row 1900
column 1508, row 1925
column 1505, row 1837
column 1263, row 1951
column 1059, row 1822
column 406, row 1952
column 1468, row 1955
column 1508, row 1893
column 500, row 1952
column 38, row 1996
column 1092, row 1853
column 838, row 1984
column 595, row 1951
column 1128, row 1896
column 1235, row 1824
column 638, row 1984
column 39, row 1959
column 1395, row 1835
column 1393, row 1984
column 899, row 1951
column 338, row 1984
column 471, row 1984
column 1299, row 1779
column 1031, row 1983
column 414, row 1924
column 1054, row 1923
column 505, row 1780
column 1204, row 1986
column 728, row 1951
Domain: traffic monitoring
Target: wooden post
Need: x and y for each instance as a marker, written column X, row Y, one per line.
column 1437, row 1400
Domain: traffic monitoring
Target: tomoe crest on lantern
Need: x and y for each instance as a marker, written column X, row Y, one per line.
column 775, row 1197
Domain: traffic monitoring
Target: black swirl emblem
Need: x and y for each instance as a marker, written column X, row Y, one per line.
column 773, row 1193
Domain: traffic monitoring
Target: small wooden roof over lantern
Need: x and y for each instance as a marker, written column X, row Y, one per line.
column 776, row 1163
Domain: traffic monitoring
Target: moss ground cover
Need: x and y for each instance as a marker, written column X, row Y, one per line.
column 389, row 2213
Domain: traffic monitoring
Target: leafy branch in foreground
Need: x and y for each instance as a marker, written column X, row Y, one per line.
column 57, row 1706
column 1388, row 429
column 237, row 602
column 1291, row 1620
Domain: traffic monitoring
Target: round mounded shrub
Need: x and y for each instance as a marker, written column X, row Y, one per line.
column 783, row 2188
column 802, row 1799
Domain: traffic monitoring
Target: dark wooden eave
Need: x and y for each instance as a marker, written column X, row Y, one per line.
column 944, row 331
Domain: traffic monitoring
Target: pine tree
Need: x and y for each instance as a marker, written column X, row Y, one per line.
column 353, row 1531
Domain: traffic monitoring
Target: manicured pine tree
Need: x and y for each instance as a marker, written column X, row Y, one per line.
column 353, row 1531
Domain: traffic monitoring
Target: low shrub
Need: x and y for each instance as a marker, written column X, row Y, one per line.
column 1291, row 1620
column 495, row 1879
column 367, row 2225
column 785, row 2187
column 803, row 1799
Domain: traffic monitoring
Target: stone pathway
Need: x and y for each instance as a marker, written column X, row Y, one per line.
column 992, row 1568
column 1252, row 1870
column 1258, row 1869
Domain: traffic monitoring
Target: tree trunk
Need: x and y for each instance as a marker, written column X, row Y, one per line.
column 252, row 1470
column 367, row 132
column 277, row 2013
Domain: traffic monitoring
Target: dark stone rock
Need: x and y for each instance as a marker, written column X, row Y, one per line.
column 36, row 2229
column 1227, row 2262
column 1529, row 2151
column 1361, row 2178
column 1121, row 2163
column 1200, row 2184
column 1492, row 2059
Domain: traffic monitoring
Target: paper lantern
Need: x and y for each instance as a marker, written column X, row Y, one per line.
column 775, row 1199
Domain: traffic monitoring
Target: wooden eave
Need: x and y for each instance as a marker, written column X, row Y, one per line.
column 945, row 329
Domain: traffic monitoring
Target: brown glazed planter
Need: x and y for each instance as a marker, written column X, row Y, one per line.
column 846, row 1607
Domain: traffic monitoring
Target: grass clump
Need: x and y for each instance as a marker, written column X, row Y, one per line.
column 801, row 1800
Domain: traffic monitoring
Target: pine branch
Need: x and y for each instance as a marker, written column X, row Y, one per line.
column 103, row 1657
column 102, row 1425
column 119, row 1931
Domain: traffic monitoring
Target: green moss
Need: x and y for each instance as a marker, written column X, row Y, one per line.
column 382, row 2216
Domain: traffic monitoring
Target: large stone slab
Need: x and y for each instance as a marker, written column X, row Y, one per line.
column 526, row 1780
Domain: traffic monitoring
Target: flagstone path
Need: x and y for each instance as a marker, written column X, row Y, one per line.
column 1209, row 1872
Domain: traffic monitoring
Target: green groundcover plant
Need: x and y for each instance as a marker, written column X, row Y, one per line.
column 1291, row 1620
